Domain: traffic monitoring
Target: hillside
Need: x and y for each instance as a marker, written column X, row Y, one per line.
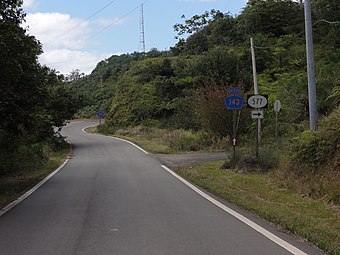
column 184, row 88
column 156, row 86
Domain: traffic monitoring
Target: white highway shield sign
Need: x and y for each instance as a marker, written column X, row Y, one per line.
column 257, row 101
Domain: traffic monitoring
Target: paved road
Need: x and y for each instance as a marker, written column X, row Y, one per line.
column 112, row 198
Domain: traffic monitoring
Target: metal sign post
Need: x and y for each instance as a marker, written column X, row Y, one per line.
column 277, row 108
column 257, row 102
column 100, row 114
column 234, row 136
column 234, row 102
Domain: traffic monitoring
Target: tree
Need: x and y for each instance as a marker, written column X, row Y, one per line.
column 275, row 17
column 74, row 75
column 196, row 23
column 20, row 86
column 33, row 99
column 223, row 31
column 11, row 11
column 326, row 12
column 205, row 31
column 327, row 9
column 61, row 102
column 196, row 43
column 222, row 66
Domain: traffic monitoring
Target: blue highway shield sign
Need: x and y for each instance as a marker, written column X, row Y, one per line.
column 233, row 102
column 101, row 114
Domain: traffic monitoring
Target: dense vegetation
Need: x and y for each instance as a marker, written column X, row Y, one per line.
column 34, row 100
column 184, row 88
column 166, row 88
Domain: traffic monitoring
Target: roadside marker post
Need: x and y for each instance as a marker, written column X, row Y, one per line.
column 100, row 114
column 234, row 102
column 277, row 108
column 234, row 136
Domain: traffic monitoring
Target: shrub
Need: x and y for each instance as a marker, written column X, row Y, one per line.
column 315, row 149
column 313, row 166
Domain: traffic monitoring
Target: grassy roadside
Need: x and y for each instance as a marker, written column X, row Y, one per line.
column 150, row 144
column 260, row 193
column 156, row 140
column 14, row 185
column 310, row 219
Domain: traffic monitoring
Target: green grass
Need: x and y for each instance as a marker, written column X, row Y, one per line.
column 14, row 185
column 156, row 140
column 310, row 219
column 151, row 144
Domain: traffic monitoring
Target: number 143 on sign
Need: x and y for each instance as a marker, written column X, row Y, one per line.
column 233, row 102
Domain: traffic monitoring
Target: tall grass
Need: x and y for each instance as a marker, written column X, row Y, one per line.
column 159, row 140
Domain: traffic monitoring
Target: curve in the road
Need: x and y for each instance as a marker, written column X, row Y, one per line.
column 113, row 199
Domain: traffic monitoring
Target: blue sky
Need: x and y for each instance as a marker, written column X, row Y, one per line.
column 77, row 34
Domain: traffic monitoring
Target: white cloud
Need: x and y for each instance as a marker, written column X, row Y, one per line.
column 30, row 4
column 65, row 60
column 55, row 30
column 64, row 39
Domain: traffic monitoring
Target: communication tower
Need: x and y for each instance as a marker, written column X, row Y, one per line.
column 142, row 34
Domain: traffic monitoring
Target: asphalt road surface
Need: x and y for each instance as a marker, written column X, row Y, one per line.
column 112, row 198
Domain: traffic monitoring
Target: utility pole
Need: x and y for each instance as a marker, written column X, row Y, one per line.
column 256, row 92
column 310, row 67
column 256, row 89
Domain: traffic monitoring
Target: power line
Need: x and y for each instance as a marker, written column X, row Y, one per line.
column 296, row 36
column 113, row 23
column 81, row 22
column 330, row 22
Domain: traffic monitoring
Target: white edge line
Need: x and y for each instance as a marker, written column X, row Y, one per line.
column 116, row 138
column 240, row 217
column 30, row 192
column 120, row 139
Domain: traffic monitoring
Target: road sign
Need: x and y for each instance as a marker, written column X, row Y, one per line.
column 257, row 114
column 277, row 106
column 233, row 91
column 100, row 114
column 234, row 141
column 233, row 102
column 257, row 101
